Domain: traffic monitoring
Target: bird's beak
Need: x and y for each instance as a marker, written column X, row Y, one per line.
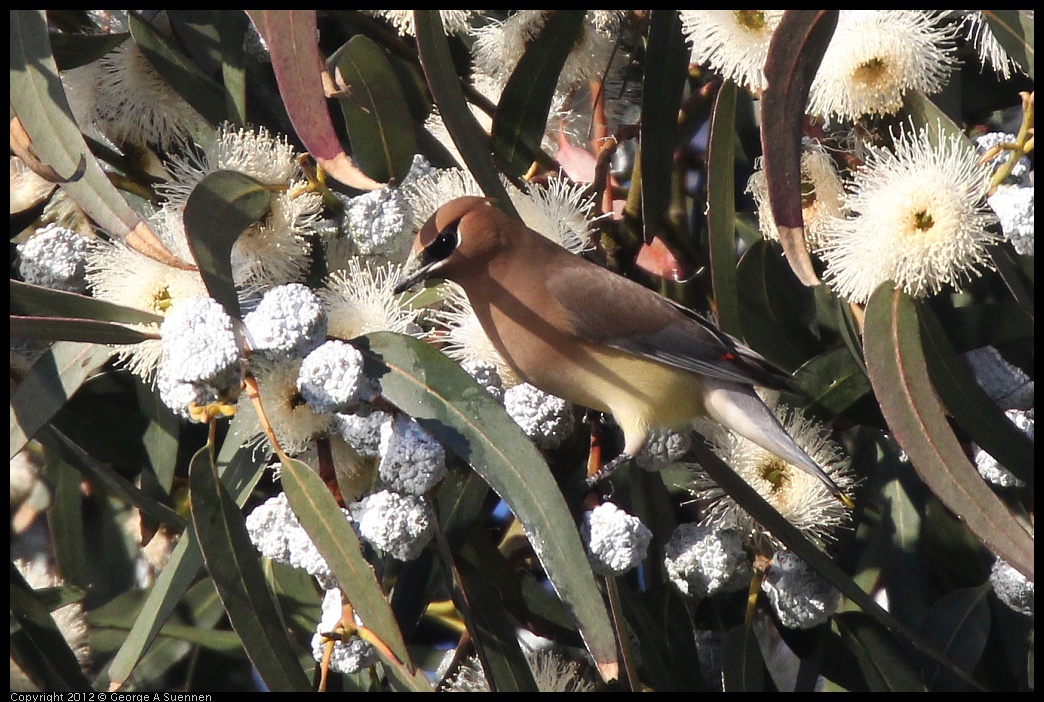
column 413, row 272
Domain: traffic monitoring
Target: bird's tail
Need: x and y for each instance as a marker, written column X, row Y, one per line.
column 738, row 408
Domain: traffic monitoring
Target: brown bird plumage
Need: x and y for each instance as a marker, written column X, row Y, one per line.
column 597, row 339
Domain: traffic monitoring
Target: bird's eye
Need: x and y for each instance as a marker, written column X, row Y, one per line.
column 444, row 243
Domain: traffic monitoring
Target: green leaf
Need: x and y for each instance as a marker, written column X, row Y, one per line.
column 221, row 207
column 450, row 405
column 959, row 624
column 333, row 536
column 375, row 111
column 833, row 381
column 293, row 47
column 743, row 669
column 969, row 404
column 45, row 302
column 242, row 469
column 470, row 139
column 40, row 648
column 885, row 665
column 794, row 55
column 87, row 331
column 899, row 374
column 521, row 116
column 663, row 82
column 75, row 50
column 233, row 564
column 1014, row 30
column 721, row 218
column 51, row 381
column 38, row 98
column 773, row 307
column 198, row 89
column 232, row 29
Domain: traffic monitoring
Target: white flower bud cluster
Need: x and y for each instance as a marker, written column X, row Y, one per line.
column 704, row 560
column 288, row 321
column 545, row 419
column 399, row 525
column 276, row 534
column 348, row 656
column 1012, row 587
column 412, row 461
column 664, row 448
column 616, row 541
column 487, row 376
column 332, row 378
column 363, row 430
column 801, row 598
column 985, row 142
column 1013, row 205
column 201, row 357
column 1006, row 384
column 54, row 257
column 989, row 468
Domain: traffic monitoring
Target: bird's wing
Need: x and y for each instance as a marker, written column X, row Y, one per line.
column 610, row 309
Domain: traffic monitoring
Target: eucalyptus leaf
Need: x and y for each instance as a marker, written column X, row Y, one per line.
column 46, row 302
column 374, row 109
column 959, row 624
column 721, row 219
column 899, row 374
column 221, row 207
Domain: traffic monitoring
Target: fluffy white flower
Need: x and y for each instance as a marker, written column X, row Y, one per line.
column 546, row 419
column 703, row 560
column 797, row 495
column 331, row 378
column 821, row 196
column 54, row 257
column 399, row 525
column 991, row 53
column 918, row 219
column 733, row 43
column 288, row 321
column 412, row 461
column 453, row 21
column 1012, row 587
column 801, row 598
column 361, row 299
column 293, row 420
column 616, row 541
column 876, row 57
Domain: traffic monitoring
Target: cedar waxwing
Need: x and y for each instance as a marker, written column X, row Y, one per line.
column 597, row 339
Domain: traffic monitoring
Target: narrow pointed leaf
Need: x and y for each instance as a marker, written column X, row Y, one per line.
column 233, row 564
column 40, row 648
column 899, row 374
column 970, row 406
column 197, row 88
column 84, row 330
column 885, row 665
column 51, row 381
column 221, row 207
column 721, row 215
column 743, row 669
column 521, row 117
column 375, row 112
column 663, row 82
column 38, row 98
column 41, row 301
column 450, row 405
column 959, row 624
column 470, row 139
column 333, row 536
column 794, row 55
column 294, row 49
column 833, row 381
column 241, row 470
column 1014, row 30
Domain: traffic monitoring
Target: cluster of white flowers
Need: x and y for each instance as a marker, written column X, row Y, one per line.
column 798, row 594
column 703, row 560
column 616, row 541
column 399, row 525
column 54, row 257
